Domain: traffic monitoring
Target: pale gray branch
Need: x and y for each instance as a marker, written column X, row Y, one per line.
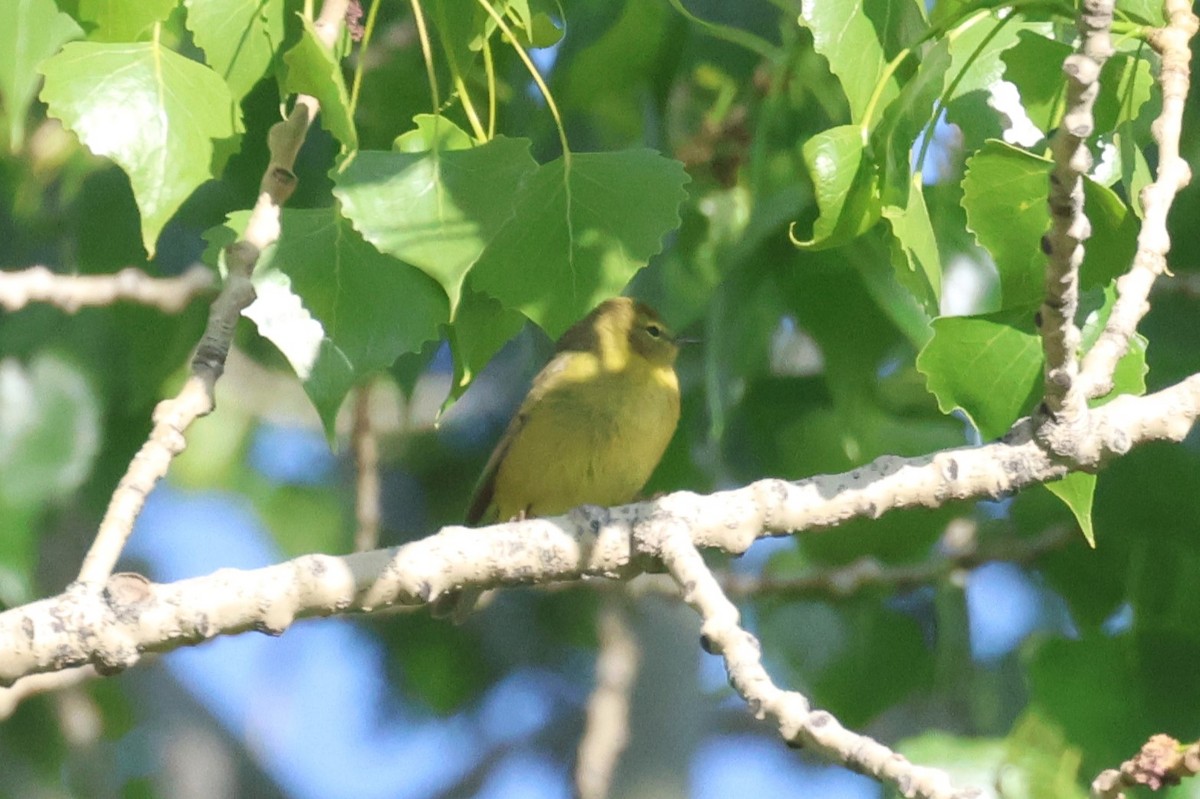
column 111, row 624
column 1150, row 261
column 1069, row 225
column 174, row 416
column 71, row 292
column 606, row 730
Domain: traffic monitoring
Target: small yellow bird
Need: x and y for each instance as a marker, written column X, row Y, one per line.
column 591, row 430
column 594, row 424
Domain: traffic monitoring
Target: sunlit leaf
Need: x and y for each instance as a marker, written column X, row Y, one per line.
column 579, row 234
column 121, row 20
column 312, row 69
column 30, row 31
column 435, row 209
column 336, row 307
column 1004, row 194
column 845, row 184
column 989, row 367
column 240, row 38
column 154, row 112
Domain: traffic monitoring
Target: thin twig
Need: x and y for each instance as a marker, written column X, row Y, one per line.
column 366, row 474
column 798, row 724
column 72, row 292
column 174, row 416
column 867, row 573
column 36, row 684
column 1172, row 43
column 606, row 730
column 1069, row 225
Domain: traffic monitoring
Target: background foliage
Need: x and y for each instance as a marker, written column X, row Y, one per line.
column 833, row 197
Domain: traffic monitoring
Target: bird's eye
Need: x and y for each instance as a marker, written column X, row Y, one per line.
column 654, row 330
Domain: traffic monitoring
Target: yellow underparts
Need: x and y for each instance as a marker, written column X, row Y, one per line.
column 593, row 438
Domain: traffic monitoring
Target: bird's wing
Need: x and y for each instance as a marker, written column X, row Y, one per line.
column 546, row 380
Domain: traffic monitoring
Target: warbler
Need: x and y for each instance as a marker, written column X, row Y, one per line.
column 592, row 428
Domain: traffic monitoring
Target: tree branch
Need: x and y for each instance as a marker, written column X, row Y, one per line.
column 606, row 731
column 1162, row 761
column 1172, row 43
column 174, row 416
column 110, row 625
column 72, row 292
column 366, row 472
column 1069, row 225
column 798, row 724
column 868, row 572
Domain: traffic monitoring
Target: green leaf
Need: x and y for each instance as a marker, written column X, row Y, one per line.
column 336, row 307
column 989, row 367
column 905, row 122
column 49, row 430
column 1129, row 376
column 859, row 39
column 240, row 38
column 580, row 233
column 915, row 251
column 845, row 185
column 1077, row 490
column 121, row 20
column 1126, row 85
column 1035, row 761
column 30, row 32
column 154, row 112
column 436, row 209
column 1034, row 66
column 1004, row 195
column 977, row 50
column 481, row 327
column 313, row 70
column 433, row 132
column 1147, row 12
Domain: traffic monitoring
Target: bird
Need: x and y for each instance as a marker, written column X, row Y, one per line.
column 593, row 426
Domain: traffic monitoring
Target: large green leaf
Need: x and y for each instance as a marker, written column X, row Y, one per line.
column 336, row 307
column 121, row 20
column 435, row 209
column 989, row 367
column 580, row 233
column 845, row 183
column 313, row 70
column 1004, row 194
column 240, row 38
column 859, row 39
column 1034, row 66
column 154, row 112
column 481, row 327
column 30, row 31
column 976, row 51
column 915, row 251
